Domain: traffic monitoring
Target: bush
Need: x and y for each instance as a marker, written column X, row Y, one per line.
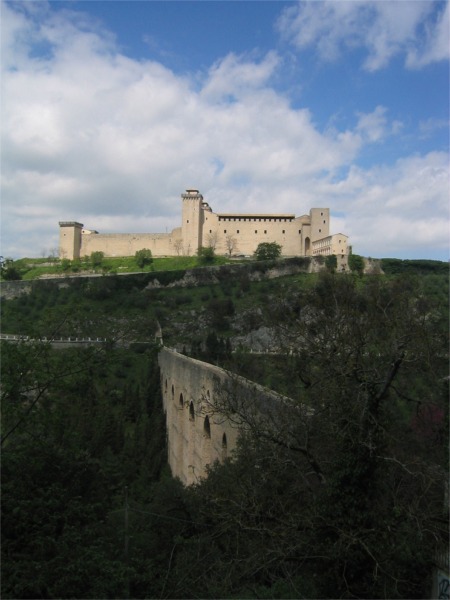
column 268, row 251
column 143, row 257
column 331, row 263
column 10, row 270
column 206, row 255
column 356, row 263
column 97, row 258
column 65, row 264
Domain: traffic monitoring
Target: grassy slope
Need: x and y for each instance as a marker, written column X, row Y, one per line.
column 35, row 268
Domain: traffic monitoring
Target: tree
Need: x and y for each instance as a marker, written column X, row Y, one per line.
column 206, row 255
column 336, row 496
column 65, row 264
column 96, row 258
column 268, row 251
column 356, row 263
column 143, row 257
column 10, row 271
column 65, row 414
column 178, row 245
column 331, row 263
column 212, row 239
column 230, row 243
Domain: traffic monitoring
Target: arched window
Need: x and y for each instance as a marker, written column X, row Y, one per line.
column 207, row 428
column 181, row 401
column 224, row 447
column 307, row 246
column 192, row 450
column 206, row 444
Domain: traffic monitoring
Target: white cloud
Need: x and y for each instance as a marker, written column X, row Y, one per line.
column 435, row 45
column 233, row 77
column 91, row 135
column 396, row 210
column 416, row 29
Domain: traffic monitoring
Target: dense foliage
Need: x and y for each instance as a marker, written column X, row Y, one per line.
column 206, row 255
column 356, row 263
column 143, row 257
column 268, row 251
column 78, row 428
column 9, row 270
column 340, row 494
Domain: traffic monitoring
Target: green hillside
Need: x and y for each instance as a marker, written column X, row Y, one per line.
column 356, row 508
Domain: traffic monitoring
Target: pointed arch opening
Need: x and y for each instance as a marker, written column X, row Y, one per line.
column 191, row 447
column 206, row 444
column 207, row 428
column 224, row 447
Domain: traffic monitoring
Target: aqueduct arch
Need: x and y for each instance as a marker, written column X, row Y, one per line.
column 198, row 430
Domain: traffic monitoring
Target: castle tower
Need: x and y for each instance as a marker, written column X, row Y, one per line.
column 320, row 223
column 69, row 239
column 192, row 221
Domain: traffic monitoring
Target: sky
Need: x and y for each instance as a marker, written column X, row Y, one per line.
column 111, row 110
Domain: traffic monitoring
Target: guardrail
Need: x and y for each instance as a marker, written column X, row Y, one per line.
column 9, row 337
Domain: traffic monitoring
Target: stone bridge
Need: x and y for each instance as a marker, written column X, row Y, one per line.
column 194, row 395
column 199, row 430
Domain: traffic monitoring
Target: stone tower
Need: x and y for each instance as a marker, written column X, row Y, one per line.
column 192, row 221
column 69, row 239
column 320, row 223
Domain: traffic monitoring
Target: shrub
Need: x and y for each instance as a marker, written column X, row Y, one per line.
column 143, row 257
column 97, row 258
column 206, row 255
column 331, row 263
column 268, row 251
column 10, row 269
column 356, row 263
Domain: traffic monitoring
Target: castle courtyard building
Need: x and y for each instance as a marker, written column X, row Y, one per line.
column 227, row 233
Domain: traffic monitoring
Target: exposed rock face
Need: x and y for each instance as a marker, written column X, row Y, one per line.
column 13, row 289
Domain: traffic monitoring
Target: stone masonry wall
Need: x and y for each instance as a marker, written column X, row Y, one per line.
column 195, row 436
column 198, row 431
column 127, row 244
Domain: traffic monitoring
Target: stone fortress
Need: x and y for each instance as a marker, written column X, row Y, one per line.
column 230, row 234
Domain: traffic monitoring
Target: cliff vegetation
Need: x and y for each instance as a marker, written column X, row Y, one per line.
column 350, row 503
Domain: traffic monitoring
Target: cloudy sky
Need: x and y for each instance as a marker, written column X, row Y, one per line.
column 110, row 110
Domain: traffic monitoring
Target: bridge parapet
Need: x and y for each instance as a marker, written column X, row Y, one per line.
column 15, row 338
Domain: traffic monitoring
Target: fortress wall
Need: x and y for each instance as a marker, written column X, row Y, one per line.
column 247, row 233
column 127, row 244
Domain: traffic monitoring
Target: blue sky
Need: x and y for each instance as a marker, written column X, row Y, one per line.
column 111, row 109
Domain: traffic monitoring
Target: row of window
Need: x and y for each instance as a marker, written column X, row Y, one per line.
column 283, row 231
column 206, row 423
